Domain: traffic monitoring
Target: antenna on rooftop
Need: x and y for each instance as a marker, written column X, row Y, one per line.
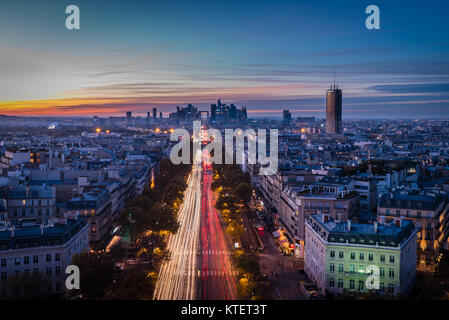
column 334, row 75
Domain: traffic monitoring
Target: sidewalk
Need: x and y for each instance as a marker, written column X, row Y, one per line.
column 282, row 271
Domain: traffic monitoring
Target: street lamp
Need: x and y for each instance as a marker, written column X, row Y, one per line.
column 51, row 127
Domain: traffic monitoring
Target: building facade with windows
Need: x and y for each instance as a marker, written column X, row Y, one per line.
column 29, row 202
column 15, row 156
column 332, row 196
column 366, row 187
column 340, row 256
column 46, row 249
column 95, row 206
column 428, row 211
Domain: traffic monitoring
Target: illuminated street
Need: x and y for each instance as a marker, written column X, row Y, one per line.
column 199, row 250
column 177, row 278
column 218, row 275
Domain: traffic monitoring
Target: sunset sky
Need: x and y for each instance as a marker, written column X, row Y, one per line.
column 266, row 55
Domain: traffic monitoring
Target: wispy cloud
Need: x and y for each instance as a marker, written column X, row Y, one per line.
column 412, row 88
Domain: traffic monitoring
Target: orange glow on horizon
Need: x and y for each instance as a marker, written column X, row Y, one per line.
column 62, row 107
column 117, row 105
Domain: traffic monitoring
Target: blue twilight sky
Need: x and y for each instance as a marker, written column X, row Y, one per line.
column 267, row 55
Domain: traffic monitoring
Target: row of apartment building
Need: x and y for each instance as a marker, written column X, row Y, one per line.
column 298, row 198
column 67, row 200
column 48, row 249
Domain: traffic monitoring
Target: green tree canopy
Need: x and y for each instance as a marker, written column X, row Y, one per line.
column 96, row 274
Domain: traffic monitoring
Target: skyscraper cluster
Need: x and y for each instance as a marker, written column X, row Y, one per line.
column 188, row 113
column 221, row 112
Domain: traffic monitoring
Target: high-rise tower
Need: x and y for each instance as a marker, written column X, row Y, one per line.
column 213, row 111
column 286, row 116
column 333, row 110
column 129, row 117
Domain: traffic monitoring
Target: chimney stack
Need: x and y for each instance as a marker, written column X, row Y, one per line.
column 375, row 226
column 349, row 225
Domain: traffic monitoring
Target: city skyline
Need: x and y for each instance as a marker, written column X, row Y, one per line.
column 224, row 151
column 267, row 57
